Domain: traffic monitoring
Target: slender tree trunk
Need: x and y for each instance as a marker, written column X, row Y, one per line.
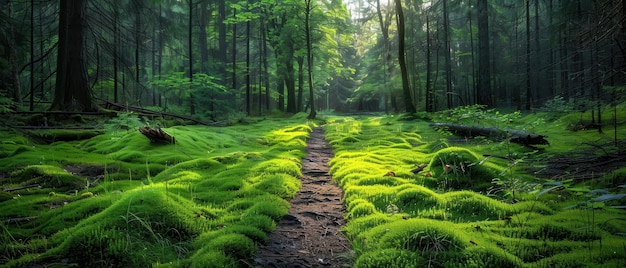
column 384, row 27
column 484, row 74
column 13, row 85
column 221, row 28
column 32, row 55
column 429, row 105
column 202, row 37
column 309, row 54
column 265, row 66
column 248, row 89
column 299, row 101
column 406, row 90
column 473, row 92
column 448, row 64
column 139, row 38
column 234, row 52
column 116, row 41
column 192, row 106
column 528, row 70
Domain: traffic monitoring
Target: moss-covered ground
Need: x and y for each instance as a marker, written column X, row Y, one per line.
column 475, row 203
column 115, row 199
column 118, row 200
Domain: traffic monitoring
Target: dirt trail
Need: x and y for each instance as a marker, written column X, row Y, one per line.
column 310, row 234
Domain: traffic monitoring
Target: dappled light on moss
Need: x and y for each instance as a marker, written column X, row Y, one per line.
column 472, row 201
column 151, row 201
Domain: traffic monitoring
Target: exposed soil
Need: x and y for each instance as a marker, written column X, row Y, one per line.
column 310, row 234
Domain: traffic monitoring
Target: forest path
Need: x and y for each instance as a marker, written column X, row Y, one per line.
column 310, row 234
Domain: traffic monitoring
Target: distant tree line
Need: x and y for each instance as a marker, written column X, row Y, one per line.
column 215, row 58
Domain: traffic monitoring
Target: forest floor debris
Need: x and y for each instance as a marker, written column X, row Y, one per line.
column 310, row 234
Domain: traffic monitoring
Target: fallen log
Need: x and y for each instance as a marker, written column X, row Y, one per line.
column 22, row 187
column 20, row 220
column 142, row 111
column 517, row 136
column 157, row 134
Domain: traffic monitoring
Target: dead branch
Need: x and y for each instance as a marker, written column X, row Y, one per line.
column 517, row 136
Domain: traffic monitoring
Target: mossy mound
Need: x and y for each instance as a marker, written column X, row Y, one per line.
column 460, row 168
column 477, row 211
column 206, row 200
column 48, row 176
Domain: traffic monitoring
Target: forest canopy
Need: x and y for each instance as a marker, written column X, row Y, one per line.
column 210, row 59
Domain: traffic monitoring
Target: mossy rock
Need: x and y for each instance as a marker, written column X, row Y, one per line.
column 461, row 168
column 54, row 135
column 49, row 177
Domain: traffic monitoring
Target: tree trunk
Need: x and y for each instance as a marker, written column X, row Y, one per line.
column 448, row 64
column 309, row 54
column 202, row 37
column 299, row 101
column 234, row 51
column 528, row 70
column 406, row 90
column 517, row 136
column 72, row 91
column 384, row 27
column 429, row 104
column 248, row 89
column 484, row 72
column 221, row 13
column 192, row 106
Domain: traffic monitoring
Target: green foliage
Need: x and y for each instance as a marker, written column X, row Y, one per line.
column 6, row 105
column 124, row 122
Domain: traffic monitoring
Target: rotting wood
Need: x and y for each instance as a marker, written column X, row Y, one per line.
column 56, row 127
column 20, row 220
column 157, row 134
column 517, row 136
column 22, row 187
column 142, row 111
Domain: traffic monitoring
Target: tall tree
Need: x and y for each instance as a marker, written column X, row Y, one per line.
column 406, row 90
column 484, row 70
column 309, row 55
column 448, row 61
column 72, row 92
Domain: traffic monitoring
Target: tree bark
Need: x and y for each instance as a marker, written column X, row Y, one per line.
column 72, row 91
column 406, row 90
column 448, row 64
column 484, row 71
column 309, row 53
column 517, row 136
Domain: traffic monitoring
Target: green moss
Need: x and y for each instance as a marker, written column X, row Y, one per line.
column 360, row 210
column 282, row 185
column 391, row 257
column 236, row 245
column 485, row 256
column 48, row 176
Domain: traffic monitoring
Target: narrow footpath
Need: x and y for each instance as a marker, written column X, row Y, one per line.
column 310, row 234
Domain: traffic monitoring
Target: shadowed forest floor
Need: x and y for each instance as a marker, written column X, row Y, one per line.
column 310, row 234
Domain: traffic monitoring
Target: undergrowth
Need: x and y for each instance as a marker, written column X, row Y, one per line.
column 417, row 197
column 117, row 199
